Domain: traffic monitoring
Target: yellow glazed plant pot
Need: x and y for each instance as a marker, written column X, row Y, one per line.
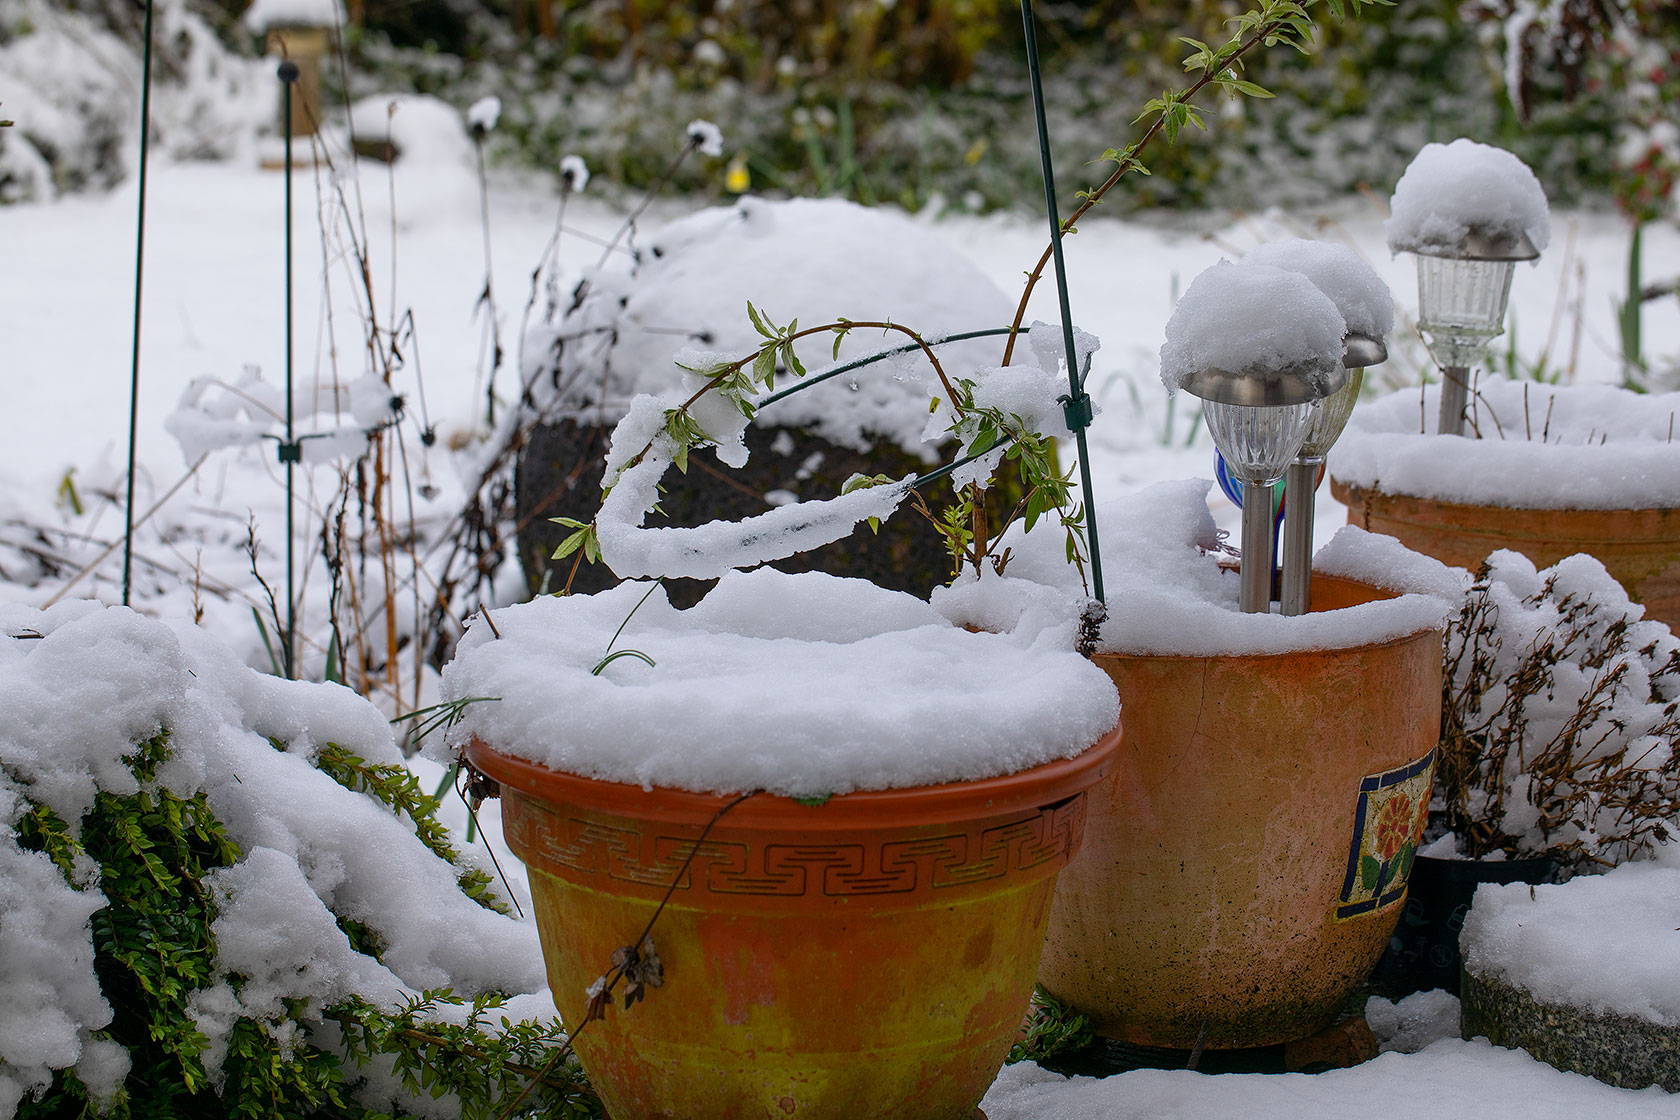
column 1246, row 861
column 871, row 956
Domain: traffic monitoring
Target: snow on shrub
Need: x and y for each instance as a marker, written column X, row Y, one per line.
column 1562, row 717
column 222, row 892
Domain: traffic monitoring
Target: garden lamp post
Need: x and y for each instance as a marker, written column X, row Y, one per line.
column 1462, row 295
column 1258, row 419
column 1329, row 417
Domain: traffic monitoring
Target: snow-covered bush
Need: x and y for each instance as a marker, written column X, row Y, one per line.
column 70, row 79
column 222, row 894
column 1561, row 721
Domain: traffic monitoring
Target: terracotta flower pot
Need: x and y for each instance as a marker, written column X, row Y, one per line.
column 870, row 956
column 1246, row 861
column 1639, row 547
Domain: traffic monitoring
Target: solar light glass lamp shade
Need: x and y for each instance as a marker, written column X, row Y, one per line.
column 1330, row 416
column 1461, row 305
column 1258, row 442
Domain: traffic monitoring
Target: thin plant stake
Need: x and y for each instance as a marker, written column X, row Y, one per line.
column 139, row 271
column 290, row 451
column 1076, row 406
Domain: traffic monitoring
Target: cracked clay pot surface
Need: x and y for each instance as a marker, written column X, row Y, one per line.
column 1246, row 861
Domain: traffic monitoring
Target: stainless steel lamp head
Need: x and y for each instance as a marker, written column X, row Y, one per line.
column 1258, row 417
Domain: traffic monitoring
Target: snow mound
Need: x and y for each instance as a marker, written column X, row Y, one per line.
column 816, row 260
column 1541, row 447
column 1340, row 273
column 1169, row 595
column 1553, row 940
column 1452, row 190
column 80, row 687
column 802, row 685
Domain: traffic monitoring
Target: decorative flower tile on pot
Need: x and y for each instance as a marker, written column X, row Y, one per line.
column 1387, row 827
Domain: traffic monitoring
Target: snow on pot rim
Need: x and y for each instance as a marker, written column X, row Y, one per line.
column 1169, row 594
column 1563, row 447
column 803, row 685
column 1602, row 943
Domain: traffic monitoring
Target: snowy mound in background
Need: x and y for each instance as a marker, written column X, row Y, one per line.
column 263, row 15
column 817, row 260
column 1554, row 941
column 1452, row 190
column 81, row 686
column 1254, row 319
column 1541, row 447
column 434, row 181
column 1340, row 273
column 1169, row 595
column 70, row 79
column 802, row 685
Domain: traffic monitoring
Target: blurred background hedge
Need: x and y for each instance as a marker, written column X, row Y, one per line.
column 913, row 101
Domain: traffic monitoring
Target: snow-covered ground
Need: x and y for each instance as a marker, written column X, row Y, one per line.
column 213, row 305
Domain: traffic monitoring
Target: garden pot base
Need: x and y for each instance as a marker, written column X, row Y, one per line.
column 1346, row 1043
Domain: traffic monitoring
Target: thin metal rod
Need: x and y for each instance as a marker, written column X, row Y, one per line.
column 139, row 271
column 1455, row 394
column 1077, row 401
column 870, row 359
column 288, row 78
column 1299, row 483
column 1256, row 593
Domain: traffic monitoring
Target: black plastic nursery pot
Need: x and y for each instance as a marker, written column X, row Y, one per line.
column 1423, row 950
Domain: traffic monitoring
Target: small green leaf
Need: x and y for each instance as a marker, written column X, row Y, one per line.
column 611, row 657
column 764, row 366
column 571, row 544
column 814, row 802
column 1247, row 87
column 1370, row 873
column 791, row 360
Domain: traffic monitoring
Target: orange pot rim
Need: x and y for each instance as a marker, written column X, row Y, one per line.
column 1422, row 634
column 1341, row 491
column 1029, row 789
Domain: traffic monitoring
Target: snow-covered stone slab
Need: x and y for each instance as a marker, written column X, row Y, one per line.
column 1584, row 975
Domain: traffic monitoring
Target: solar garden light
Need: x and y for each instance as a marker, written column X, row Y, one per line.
column 1300, row 480
column 1461, row 308
column 1469, row 212
column 1258, row 345
column 1367, row 307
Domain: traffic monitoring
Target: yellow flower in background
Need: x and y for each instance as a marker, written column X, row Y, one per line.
column 737, row 178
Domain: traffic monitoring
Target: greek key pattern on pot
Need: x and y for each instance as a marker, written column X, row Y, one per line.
column 571, row 846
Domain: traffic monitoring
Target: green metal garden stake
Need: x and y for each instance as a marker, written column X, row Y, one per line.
column 1076, row 406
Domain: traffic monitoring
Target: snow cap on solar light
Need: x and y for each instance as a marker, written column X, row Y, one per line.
column 1254, row 335
column 1470, row 201
column 1353, row 286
